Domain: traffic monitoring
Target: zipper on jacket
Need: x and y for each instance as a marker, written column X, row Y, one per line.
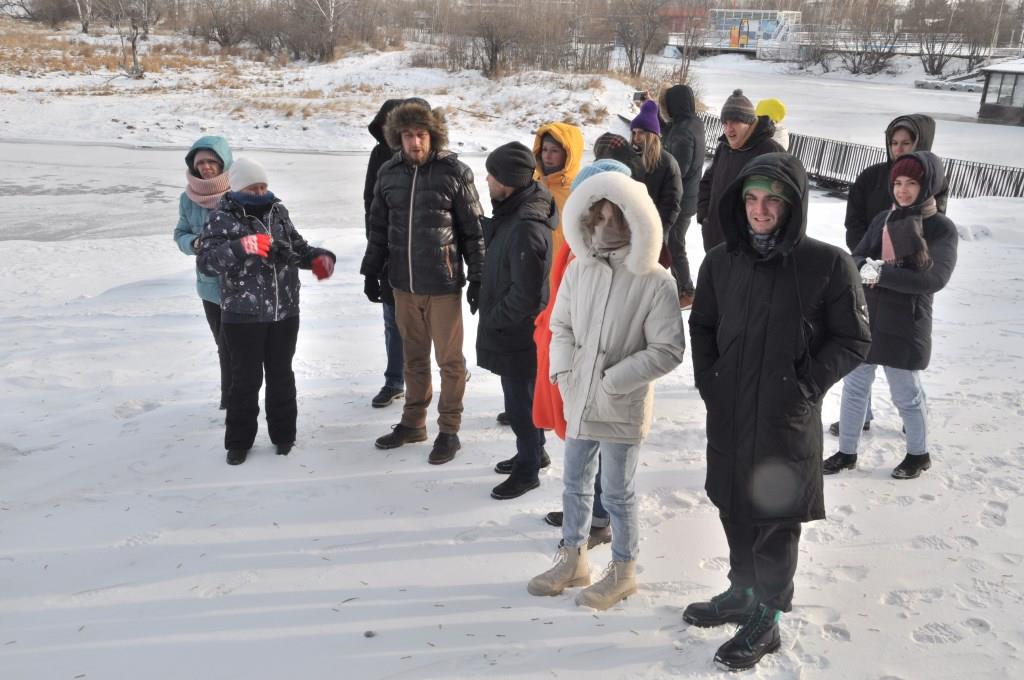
column 273, row 267
column 600, row 334
column 412, row 203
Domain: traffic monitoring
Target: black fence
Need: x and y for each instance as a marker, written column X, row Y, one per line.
column 836, row 164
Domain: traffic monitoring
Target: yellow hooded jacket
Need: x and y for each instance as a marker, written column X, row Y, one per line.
column 559, row 183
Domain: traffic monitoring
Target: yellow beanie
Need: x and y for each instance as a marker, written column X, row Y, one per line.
column 772, row 108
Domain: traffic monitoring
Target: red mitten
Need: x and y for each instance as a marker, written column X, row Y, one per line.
column 323, row 267
column 256, row 244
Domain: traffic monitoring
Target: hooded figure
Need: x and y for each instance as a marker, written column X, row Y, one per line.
column 725, row 167
column 901, row 276
column 684, row 139
column 869, row 193
column 776, row 322
column 394, row 377
column 200, row 197
column 570, row 138
column 616, row 328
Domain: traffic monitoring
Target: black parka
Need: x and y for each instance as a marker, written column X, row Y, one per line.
column 515, row 283
column 685, row 140
column 724, row 168
column 424, row 222
column 900, row 304
column 869, row 193
column 770, row 335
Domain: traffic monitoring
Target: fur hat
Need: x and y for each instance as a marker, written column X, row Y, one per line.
column 416, row 114
column 245, row 172
column 739, row 109
column 647, row 119
column 511, row 164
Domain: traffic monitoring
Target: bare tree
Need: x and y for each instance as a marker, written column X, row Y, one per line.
column 690, row 41
column 84, row 8
column 636, row 24
column 931, row 21
column 873, row 38
column 498, row 30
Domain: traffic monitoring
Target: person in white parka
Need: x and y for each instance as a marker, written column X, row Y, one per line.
column 615, row 328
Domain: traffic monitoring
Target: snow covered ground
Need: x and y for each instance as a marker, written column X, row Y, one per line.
column 129, row 549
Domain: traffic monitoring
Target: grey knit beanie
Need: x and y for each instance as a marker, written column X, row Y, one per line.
column 739, row 109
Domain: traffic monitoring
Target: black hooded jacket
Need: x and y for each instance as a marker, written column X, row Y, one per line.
column 900, row 304
column 515, row 284
column 870, row 192
column 724, row 168
column 378, row 156
column 684, row 138
column 770, row 335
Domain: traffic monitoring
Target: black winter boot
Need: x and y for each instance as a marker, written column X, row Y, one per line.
column 504, row 467
column 400, row 434
column 237, row 456
column 515, row 486
column 758, row 636
column 285, row 448
column 912, row 466
column 445, row 446
column 503, row 419
column 833, row 429
column 386, row 396
column 838, row 462
column 554, row 518
column 732, row 606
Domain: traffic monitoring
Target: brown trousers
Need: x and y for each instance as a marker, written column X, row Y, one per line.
column 424, row 320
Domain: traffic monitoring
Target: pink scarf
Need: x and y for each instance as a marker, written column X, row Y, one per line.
column 206, row 192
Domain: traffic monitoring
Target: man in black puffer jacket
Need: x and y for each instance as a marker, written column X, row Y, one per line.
column 424, row 222
column 746, row 137
column 684, row 139
column 514, row 292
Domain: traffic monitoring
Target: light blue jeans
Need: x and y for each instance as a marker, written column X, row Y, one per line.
column 618, row 468
column 907, row 394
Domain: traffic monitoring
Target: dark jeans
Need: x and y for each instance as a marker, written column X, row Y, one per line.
column 257, row 348
column 677, row 248
column 213, row 318
column 394, row 375
column 530, row 439
column 763, row 557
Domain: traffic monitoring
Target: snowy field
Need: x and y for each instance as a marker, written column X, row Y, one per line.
column 129, row 549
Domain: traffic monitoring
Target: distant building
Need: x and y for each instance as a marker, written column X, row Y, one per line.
column 1003, row 96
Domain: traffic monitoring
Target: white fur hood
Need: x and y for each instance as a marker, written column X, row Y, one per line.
column 641, row 216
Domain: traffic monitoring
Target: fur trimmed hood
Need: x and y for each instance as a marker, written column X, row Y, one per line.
column 416, row 114
column 642, row 217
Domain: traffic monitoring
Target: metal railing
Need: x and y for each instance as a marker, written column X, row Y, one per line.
column 836, row 164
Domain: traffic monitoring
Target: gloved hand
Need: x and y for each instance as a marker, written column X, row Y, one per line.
column 387, row 294
column 323, row 267
column 256, row 244
column 473, row 296
column 371, row 287
column 870, row 272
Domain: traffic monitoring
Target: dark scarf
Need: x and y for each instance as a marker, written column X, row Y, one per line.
column 905, row 229
column 763, row 243
column 253, row 204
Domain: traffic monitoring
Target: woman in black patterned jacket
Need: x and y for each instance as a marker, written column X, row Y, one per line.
column 253, row 248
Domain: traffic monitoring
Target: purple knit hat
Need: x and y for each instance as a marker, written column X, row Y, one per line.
column 647, row 119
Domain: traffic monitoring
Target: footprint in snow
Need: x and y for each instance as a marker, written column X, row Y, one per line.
column 133, row 408
column 937, row 634
column 994, row 515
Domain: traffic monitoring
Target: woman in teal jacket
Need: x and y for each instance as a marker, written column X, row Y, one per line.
column 208, row 162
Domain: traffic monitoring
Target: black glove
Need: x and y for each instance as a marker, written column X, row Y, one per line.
column 387, row 293
column 473, row 296
column 371, row 287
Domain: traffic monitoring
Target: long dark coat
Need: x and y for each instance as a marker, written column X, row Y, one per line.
column 900, row 304
column 515, row 283
column 724, row 168
column 665, row 187
column 684, row 139
column 770, row 335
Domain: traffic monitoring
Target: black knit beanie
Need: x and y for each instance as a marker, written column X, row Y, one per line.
column 512, row 164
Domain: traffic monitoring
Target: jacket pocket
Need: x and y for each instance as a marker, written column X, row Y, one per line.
column 607, row 407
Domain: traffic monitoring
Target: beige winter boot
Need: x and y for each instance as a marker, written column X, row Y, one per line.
column 571, row 568
column 617, row 583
